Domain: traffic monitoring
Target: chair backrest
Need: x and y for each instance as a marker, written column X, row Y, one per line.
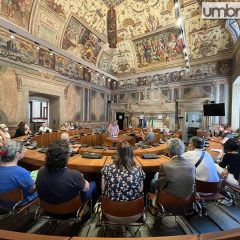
column 122, row 208
column 209, row 187
column 176, row 205
column 62, row 208
column 15, row 195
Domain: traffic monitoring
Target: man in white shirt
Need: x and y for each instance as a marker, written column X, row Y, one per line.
column 44, row 128
column 206, row 169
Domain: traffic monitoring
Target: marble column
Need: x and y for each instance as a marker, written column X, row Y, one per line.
column 235, row 106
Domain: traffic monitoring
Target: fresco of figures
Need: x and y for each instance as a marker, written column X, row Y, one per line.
column 81, row 42
column 136, row 18
column 46, row 59
column 17, row 49
column 16, row 11
column 205, row 37
column 162, row 47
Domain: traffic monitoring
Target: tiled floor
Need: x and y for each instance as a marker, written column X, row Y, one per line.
column 219, row 218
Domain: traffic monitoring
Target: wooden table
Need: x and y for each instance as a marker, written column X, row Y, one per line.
column 152, row 165
column 122, row 138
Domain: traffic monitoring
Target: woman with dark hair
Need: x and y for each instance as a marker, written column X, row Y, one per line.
column 22, row 130
column 229, row 167
column 13, row 176
column 58, row 184
column 123, row 180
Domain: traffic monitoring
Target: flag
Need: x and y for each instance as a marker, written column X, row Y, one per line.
column 152, row 120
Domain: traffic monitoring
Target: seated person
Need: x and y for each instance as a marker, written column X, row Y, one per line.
column 65, row 127
column 44, row 128
column 229, row 166
column 165, row 129
column 113, row 129
column 227, row 134
column 203, row 161
column 4, row 132
column 148, row 138
column 176, row 176
column 13, row 176
column 74, row 148
column 122, row 180
column 22, row 130
column 58, row 184
column 3, row 139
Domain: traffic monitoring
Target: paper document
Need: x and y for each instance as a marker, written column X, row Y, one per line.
column 217, row 150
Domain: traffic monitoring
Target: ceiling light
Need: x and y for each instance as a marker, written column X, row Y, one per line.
column 109, row 79
column 181, row 73
column 12, row 36
column 51, row 52
column 176, row 4
column 179, row 21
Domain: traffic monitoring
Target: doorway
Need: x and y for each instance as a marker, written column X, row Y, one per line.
column 43, row 108
column 120, row 119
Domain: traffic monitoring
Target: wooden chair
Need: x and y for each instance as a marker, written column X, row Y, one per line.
column 64, row 210
column 209, row 191
column 16, row 197
column 210, row 187
column 235, row 190
column 169, row 205
column 123, row 213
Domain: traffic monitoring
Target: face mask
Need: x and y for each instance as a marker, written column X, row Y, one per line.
column 6, row 129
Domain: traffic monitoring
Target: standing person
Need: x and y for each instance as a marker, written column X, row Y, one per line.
column 22, row 130
column 113, row 129
column 13, row 176
column 58, row 184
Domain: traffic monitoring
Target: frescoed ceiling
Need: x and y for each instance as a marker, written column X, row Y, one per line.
column 148, row 38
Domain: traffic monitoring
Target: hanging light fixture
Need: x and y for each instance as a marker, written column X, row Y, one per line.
column 112, row 27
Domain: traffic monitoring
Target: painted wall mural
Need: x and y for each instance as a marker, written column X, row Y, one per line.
column 97, row 106
column 73, row 102
column 8, row 94
column 20, row 50
column 81, row 42
column 17, row 49
column 16, row 11
column 162, row 47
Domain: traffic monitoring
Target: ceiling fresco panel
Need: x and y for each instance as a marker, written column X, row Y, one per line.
column 166, row 46
column 17, row 11
column 136, row 18
column 205, row 37
column 81, row 42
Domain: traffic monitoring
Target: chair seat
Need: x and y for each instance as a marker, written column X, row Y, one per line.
column 212, row 197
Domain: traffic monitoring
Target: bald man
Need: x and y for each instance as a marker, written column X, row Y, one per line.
column 74, row 147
